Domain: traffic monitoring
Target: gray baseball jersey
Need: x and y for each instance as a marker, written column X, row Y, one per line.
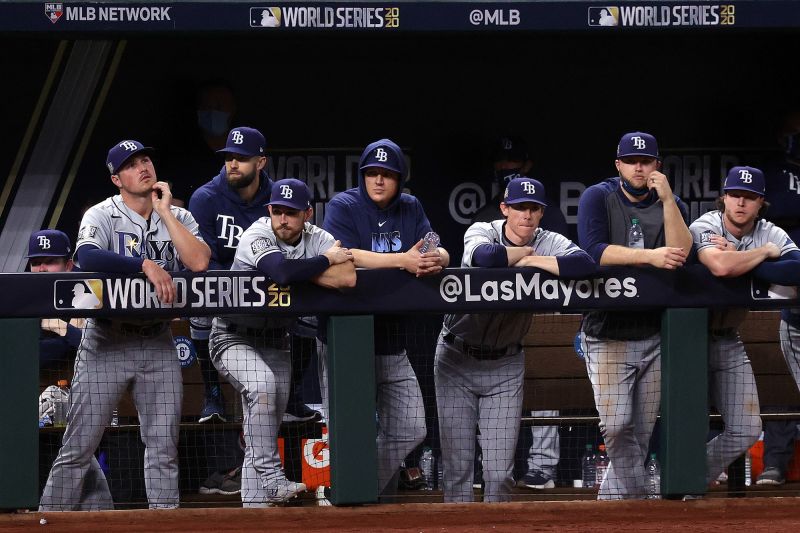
column 501, row 329
column 259, row 241
column 112, row 225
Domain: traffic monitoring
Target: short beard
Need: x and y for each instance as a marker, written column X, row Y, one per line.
column 244, row 181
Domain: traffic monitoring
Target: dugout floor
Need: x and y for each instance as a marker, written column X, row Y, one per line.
column 714, row 514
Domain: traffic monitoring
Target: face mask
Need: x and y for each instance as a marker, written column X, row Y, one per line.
column 504, row 176
column 213, row 122
column 632, row 190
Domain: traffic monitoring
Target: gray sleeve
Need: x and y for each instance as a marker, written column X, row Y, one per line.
column 550, row 243
column 257, row 241
column 186, row 218
column 96, row 229
column 477, row 234
column 781, row 239
column 320, row 242
column 703, row 228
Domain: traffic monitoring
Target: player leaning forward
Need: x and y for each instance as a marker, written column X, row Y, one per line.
column 135, row 231
column 480, row 363
column 732, row 241
column 252, row 352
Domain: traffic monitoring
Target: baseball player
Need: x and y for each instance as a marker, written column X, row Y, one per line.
column 225, row 207
column 49, row 251
column 732, row 241
column 783, row 184
column 623, row 349
column 384, row 228
column 252, row 352
column 480, row 363
column 135, row 231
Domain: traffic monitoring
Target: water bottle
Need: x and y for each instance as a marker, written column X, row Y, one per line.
column 588, row 468
column 61, row 404
column 115, row 417
column 430, row 242
column 635, row 235
column 601, row 465
column 426, row 465
column 653, row 478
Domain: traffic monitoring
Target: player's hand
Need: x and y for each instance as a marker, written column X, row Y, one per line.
column 57, row 326
column 773, row 252
column 162, row 198
column 337, row 255
column 430, row 263
column 668, row 257
column 161, row 280
column 658, row 181
column 721, row 243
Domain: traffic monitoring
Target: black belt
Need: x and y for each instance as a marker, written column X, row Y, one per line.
column 479, row 352
column 139, row 330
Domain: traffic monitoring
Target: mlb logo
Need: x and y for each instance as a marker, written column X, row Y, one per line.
column 265, row 17
column 764, row 290
column 53, row 12
column 604, row 16
column 78, row 294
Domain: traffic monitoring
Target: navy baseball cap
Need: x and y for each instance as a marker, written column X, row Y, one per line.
column 383, row 157
column 511, row 148
column 637, row 143
column 745, row 179
column 122, row 151
column 49, row 243
column 524, row 189
column 244, row 141
column 291, row 193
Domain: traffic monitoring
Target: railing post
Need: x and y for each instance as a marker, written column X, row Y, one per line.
column 351, row 389
column 19, row 439
column 684, row 401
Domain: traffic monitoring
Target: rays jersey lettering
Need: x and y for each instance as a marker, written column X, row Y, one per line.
column 229, row 232
column 388, row 242
column 130, row 245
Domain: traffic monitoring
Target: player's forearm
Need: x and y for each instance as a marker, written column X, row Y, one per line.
column 193, row 252
column 547, row 263
column 728, row 264
column 366, row 259
column 517, row 253
column 341, row 276
column 676, row 233
column 614, row 254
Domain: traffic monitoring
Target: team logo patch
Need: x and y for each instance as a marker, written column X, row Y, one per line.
column 78, row 294
column 53, row 11
column 260, row 244
column 186, row 351
column 87, row 232
column 265, row 17
column 604, row 16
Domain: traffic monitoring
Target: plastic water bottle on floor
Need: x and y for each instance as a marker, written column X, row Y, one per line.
column 601, row 465
column 426, row 465
column 653, row 478
column 635, row 235
column 115, row 417
column 588, row 468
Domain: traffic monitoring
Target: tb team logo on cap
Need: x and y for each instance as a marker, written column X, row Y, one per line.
column 743, row 178
column 291, row 193
column 524, row 189
column 637, row 143
column 122, row 151
column 244, row 141
column 48, row 243
column 384, row 158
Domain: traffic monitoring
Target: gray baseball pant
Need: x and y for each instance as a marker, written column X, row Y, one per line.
column 483, row 393
column 733, row 392
column 400, row 412
column 261, row 374
column 545, row 451
column 107, row 362
column 626, row 378
column 790, row 346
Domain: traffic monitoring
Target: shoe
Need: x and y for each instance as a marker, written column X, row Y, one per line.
column 723, row 478
column 212, row 408
column 227, row 483
column 323, row 496
column 283, row 491
column 411, row 479
column 771, row 476
column 536, row 480
column 301, row 413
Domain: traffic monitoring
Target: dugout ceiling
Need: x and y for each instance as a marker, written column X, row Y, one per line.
column 439, row 84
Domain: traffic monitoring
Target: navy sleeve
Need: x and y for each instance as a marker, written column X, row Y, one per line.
column 73, row 336
column 593, row 222
column 576, row 266
column 93, row 259
column 784, row 271
column 202, row 209
column 490, row 255
column 339, row 223
column 285, row 271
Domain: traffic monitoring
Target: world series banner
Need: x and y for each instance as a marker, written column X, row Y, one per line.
column 216, row 293
column 402, row 15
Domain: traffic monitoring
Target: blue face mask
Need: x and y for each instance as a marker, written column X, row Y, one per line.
column 633, row 190
column 213, row 122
